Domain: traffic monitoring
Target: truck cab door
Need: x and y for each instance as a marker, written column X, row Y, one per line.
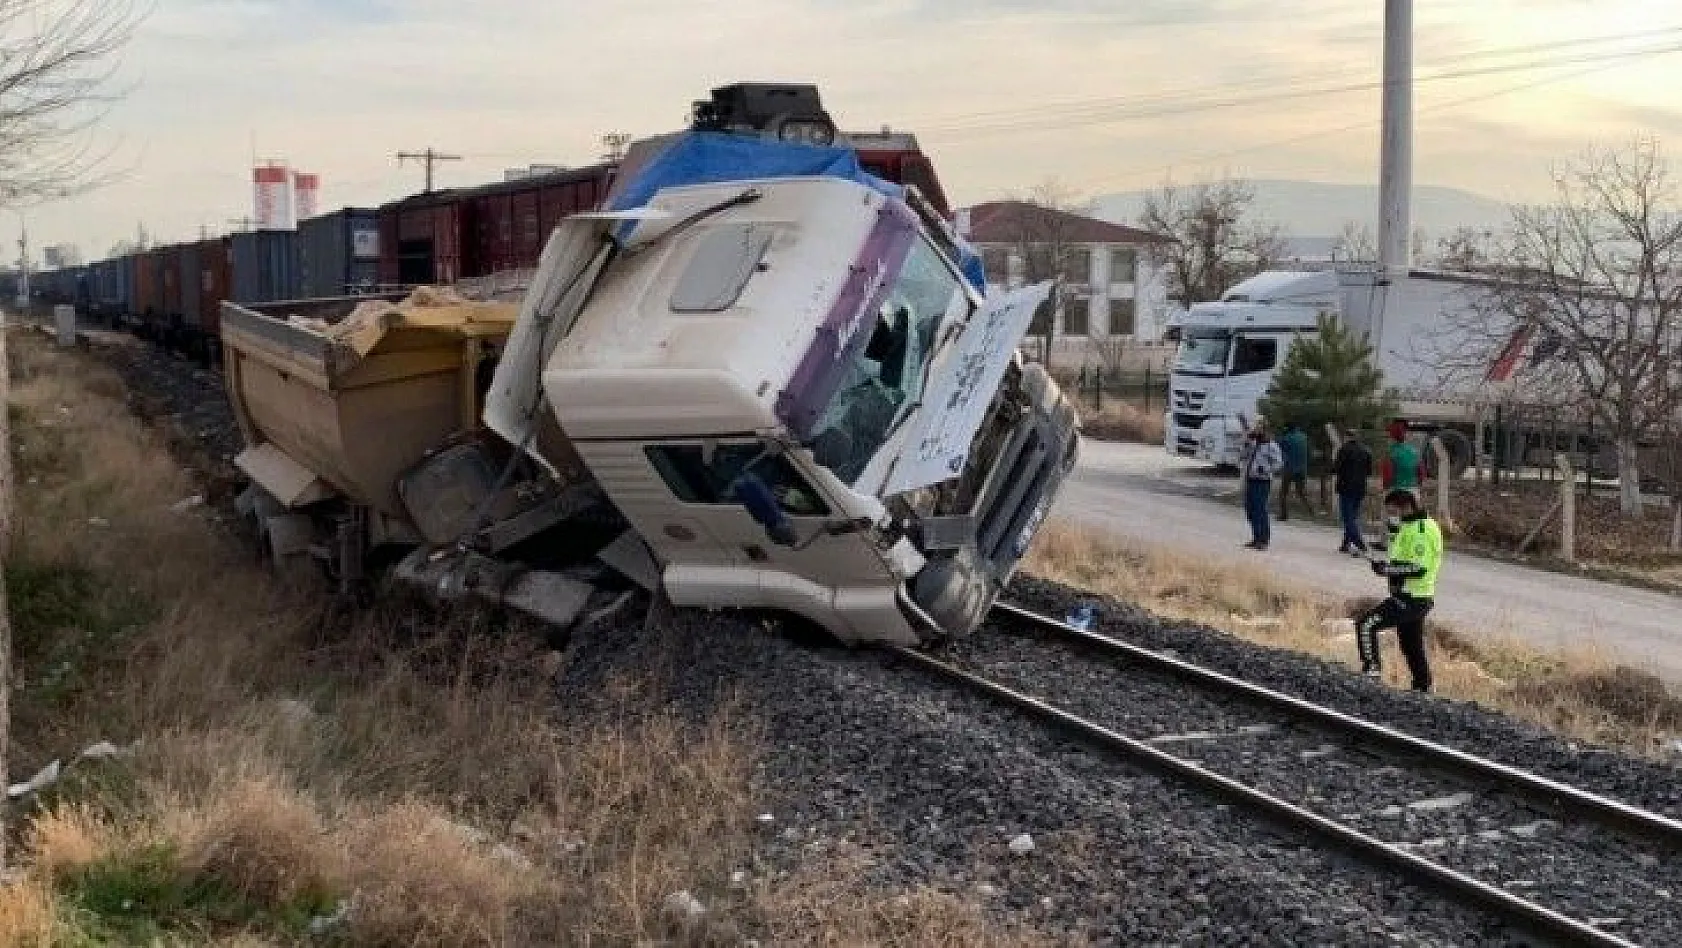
column 818, row 555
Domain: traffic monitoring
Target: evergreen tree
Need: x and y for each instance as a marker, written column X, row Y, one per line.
column 1330, row 378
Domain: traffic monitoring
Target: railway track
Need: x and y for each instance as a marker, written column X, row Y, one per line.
column 1547, row 858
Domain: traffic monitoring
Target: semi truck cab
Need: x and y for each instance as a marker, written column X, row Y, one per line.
column 1230, row 351
column 795, row 398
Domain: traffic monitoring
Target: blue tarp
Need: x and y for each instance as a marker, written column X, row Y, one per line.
column 715, row 157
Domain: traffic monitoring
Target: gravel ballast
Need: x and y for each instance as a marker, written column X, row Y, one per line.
column 935, row 786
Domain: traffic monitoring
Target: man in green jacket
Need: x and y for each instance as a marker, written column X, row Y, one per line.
column 1416, row 556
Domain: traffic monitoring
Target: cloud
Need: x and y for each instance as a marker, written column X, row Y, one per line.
column 339, row 86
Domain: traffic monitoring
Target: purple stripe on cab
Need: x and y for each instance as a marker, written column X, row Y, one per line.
column 851, row 321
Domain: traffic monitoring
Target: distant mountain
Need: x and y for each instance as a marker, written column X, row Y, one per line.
column 1310, row 209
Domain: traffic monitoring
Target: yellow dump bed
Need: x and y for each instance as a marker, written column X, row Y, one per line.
column 340, row 397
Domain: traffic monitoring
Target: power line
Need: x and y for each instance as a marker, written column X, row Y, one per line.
column 1358, row 126
column 1077, row 107
column 1108, row 115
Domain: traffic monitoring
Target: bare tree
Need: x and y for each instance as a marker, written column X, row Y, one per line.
column 1466, row 250
column 1215, row 244
column 1591, row 286
column 57, row 69
column 1356, row 244
column 1042, row 229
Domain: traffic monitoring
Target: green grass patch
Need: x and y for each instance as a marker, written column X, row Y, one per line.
column 144, row 895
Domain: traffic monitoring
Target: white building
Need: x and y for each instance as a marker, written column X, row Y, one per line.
column 1113, row 294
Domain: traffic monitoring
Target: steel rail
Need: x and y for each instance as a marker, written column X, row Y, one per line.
column 1644, row 825
column 1521, row 912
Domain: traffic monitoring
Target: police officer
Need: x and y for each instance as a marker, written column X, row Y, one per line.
column 1416, row 554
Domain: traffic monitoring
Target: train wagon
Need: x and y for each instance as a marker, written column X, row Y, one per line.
column 448, row 236
column 264, row 266
column 339, row 254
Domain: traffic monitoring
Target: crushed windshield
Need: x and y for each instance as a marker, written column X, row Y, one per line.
column 1204, row 351
column 885, row 379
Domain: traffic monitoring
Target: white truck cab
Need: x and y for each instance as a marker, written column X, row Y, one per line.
column 894, row 464
column 1229, row 353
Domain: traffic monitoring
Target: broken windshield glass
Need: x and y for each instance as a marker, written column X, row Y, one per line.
column 883, row 381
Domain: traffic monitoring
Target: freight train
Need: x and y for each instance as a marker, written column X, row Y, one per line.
column 172, row 294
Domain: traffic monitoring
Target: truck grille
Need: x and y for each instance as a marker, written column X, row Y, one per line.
column 1189, row 401
column 1192, row 422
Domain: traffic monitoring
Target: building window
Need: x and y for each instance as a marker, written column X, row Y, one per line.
column 1077, row 266
column 1076, row 313
column 1124, row 265
column 996, row 260
column 1123, row 317
column 1039, row 265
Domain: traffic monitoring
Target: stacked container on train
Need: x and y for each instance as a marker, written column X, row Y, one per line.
column 338, row 254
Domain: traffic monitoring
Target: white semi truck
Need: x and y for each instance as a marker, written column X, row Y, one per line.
column 758, row 378
column 1231, row 350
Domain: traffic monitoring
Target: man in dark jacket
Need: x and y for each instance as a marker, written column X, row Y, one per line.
column 1352, row 468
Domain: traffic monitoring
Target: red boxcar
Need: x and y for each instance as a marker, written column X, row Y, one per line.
column 169, row 276
column 897, row 157
column 215, row 282
column 459, row 234
column 454, row 235
column 146, row 299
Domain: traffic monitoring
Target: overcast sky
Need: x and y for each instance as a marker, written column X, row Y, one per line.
column 1002, row 93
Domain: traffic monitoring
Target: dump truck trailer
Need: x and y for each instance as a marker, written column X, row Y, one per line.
column 757, row 378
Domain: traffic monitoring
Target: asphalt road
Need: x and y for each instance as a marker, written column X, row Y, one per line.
column 1140, row 493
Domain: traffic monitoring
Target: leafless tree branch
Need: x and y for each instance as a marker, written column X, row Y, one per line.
column 58, row 70
column 1216, row 243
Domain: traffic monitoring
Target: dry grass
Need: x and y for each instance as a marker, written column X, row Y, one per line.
column 1579, row 694
column 1123, row 421
column 294, row 760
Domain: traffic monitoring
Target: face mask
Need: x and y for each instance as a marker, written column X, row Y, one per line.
column 1393, row 523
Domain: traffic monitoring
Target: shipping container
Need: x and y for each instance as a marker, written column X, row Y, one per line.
column 215, row 281
column 187, row 266
column 264, row 265
column 389, row 272
column 339, row 254
column 169, row 284
column 146, row 290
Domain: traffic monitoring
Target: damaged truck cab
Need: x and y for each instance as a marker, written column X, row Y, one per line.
column 792, row 394
column 777, row 378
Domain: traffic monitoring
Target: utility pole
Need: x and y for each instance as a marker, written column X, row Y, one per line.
column 1395, row 248
column 429, row 158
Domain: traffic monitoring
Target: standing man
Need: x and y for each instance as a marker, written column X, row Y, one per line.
column 1293, row 447
column 1402, row 463
column 1353, row 468
column 1261, row 462
column 1416, row 554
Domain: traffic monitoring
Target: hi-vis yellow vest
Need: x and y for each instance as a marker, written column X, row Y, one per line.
column 1419, row 543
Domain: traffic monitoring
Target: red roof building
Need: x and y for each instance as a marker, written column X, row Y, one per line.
column 1112, row 290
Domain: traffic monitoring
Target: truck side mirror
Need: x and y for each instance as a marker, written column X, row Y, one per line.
column 762, row 506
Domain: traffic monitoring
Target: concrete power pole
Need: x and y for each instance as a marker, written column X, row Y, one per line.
column 429, row 158
column 1395, row 243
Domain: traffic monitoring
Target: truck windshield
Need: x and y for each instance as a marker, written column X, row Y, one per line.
column 1204, row 351
column 883, row 382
